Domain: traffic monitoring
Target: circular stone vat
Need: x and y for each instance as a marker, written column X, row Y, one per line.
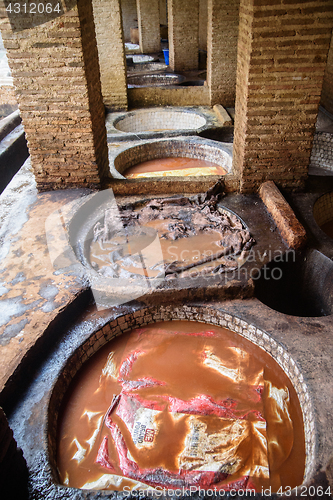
column 154, row 80
column 323, row 213
column 124, row 418
column 157, row 120
column 298, row 285
column 173, row 148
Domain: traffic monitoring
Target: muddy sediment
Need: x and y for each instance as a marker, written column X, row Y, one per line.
column 195, row 235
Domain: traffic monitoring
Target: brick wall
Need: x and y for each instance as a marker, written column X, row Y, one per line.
column 129, row 17
column 111, row 53
column 282, row 51
column 327, row 92
column 163, row 12
column 162, row 96
column 203, row 6
column 183, row 21
column 56, row 77
column 149, row 25
column 223, row 20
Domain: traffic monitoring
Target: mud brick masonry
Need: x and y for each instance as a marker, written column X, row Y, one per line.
column 282, row 51
column 57, row 82
column 183, row 34
column 110, row 40
column 149, row 25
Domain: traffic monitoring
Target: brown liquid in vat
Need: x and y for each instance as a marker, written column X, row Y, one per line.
column 328, row 228
column 173, row 353
column 161, row 167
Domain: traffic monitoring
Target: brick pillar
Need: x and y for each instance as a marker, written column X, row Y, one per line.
column 223, row 21
column 183, row 16
column 129, row 17
column 111, row 53
column 163, row 12
column 327, row 92
column 282, row 53
column 203, row 20
column 149, row 25
column 57, row 83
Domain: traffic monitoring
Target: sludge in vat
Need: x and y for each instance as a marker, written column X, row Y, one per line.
column 192, row 244
column 323, row 213
column 181, row 404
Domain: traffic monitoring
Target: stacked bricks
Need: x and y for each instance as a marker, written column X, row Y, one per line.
column 203, row 20
column 223, row 20
column 13, row 468
column 327, row 92
column 149, row 25
column 129, row 17
column 56, row 77
column 183, row 34
column 282, row 52
column 111, row 53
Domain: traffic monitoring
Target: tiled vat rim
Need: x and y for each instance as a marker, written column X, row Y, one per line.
column 322, row 150
column 203, row 314
column 323, row 209
column 159, row 119
column 190, row 148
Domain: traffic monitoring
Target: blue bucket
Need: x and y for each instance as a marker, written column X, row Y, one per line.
column 166, row 56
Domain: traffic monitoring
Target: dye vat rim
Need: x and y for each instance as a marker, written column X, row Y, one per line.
column 142, row 151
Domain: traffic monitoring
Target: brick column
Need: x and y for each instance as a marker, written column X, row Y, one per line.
column 111, row 53
column 149, row 25
column 282, row 53
column 223, row 21
column 57, row 83
column 327, row 92
column 163, row 12
column 183, row 16
column 203, row 20
column 129, row 17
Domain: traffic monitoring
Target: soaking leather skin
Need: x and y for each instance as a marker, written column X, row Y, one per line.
column 180, row 404
column 180, row 167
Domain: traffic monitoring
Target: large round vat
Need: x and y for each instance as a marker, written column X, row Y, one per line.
column 173, row 148
column 154, row 80
column 272, row 381
column 157, row 120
